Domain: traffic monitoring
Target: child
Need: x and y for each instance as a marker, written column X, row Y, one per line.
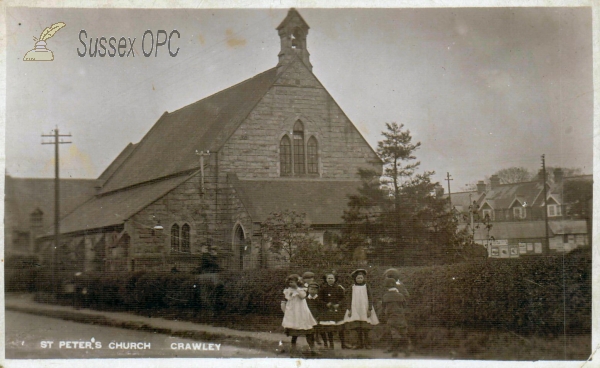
column 333, row 317
column 317, row 307
column 393, row 304
column 297, row 319
column 308, row 278
column 360, row 315
column 395, row 274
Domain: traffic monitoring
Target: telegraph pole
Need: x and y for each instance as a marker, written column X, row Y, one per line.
column 202, row 154
column 449, row 194
column 57, row 140
column 547, row 245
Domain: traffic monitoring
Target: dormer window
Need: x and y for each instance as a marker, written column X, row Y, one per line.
column 519, row 212
column 554, row 210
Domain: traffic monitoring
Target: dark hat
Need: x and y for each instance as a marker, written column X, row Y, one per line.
column 359, row 271
column 308, row 275
column 313, row 284
column 392, row 272
column 389, row 282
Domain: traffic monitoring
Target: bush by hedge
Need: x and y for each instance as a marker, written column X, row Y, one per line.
column 542, row 295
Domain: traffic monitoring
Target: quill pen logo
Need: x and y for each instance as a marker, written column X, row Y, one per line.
column 40, row 52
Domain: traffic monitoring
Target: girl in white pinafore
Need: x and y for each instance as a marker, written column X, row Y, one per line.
column 297, row 319
column 360, row 314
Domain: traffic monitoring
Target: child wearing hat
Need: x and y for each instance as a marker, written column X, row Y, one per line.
column 332, row 319
column 297, row 319
column 317, row 307
column 308, row 278
column 393, row 304
column 360, row 315
column 395, row 274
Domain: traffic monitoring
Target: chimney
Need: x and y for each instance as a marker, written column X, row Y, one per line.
column 558, row 176
column 292, row 33
column 36, row 225
column 480, row 187
column 494, row 182
column 439, row 190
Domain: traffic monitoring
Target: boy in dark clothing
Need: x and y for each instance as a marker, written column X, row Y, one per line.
column 393, row 304
column 317, row 307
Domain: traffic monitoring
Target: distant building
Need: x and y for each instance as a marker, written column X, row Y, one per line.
column 273, row 142
column 515, row 213
column 29, row 208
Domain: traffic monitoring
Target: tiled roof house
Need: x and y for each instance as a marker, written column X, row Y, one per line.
column 211, row 172
column 516, row 214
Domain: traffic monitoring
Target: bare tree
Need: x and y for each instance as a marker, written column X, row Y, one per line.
column 513, row 175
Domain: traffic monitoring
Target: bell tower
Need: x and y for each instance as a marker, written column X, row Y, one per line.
column 292, row 32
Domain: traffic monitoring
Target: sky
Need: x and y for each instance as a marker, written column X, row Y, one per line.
column 481, row 88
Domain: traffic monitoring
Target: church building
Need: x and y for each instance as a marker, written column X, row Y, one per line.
column 205, row 177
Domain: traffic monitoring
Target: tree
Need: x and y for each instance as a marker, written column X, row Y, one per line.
column 513, row 175
column 288, row 233
column 397, row 215
column 577, row 195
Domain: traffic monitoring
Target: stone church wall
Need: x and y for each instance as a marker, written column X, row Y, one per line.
column 253, row 150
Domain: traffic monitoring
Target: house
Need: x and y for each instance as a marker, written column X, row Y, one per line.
column 29, row 208
column 205, row 176
column 509, row 219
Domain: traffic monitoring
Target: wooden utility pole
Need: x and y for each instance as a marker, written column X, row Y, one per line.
column 547, row 243
column 56, row 142
column 449, row 193
column 202, row 154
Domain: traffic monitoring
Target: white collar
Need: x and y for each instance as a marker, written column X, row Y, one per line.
column 310, row 297
column 393, row 289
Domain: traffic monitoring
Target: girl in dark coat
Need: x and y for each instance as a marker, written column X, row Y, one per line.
column 331, row 320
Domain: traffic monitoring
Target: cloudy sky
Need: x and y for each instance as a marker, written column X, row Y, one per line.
column 481, row 88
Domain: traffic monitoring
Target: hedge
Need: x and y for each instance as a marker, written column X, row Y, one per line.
column 525, row 296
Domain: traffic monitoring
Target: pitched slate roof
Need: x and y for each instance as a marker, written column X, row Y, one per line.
column 115, row 208
column 25, row 195
column 568, row 227
column 502, row 196
column 462, row 200
column 323, row 201
column 514, row 230
column 117, row 162
column 169, row 147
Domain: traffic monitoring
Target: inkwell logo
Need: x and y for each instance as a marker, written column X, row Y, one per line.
column 40, row 52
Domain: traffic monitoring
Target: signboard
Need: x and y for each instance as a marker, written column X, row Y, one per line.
column 495, row 252
column 500, row 242
column 530, row 247
column 504, row 253
column 522, row 248
column 514, row 251
column 538, row 248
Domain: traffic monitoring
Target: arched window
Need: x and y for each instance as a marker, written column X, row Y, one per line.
column 312, row 156
column 285, row 156
column 175, row 238
column 299, row 148
column 185, row 238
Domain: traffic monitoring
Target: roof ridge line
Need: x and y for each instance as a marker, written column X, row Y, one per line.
column 221, row 91
column 135, row 147
column 147, row 182
column 254, row 105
